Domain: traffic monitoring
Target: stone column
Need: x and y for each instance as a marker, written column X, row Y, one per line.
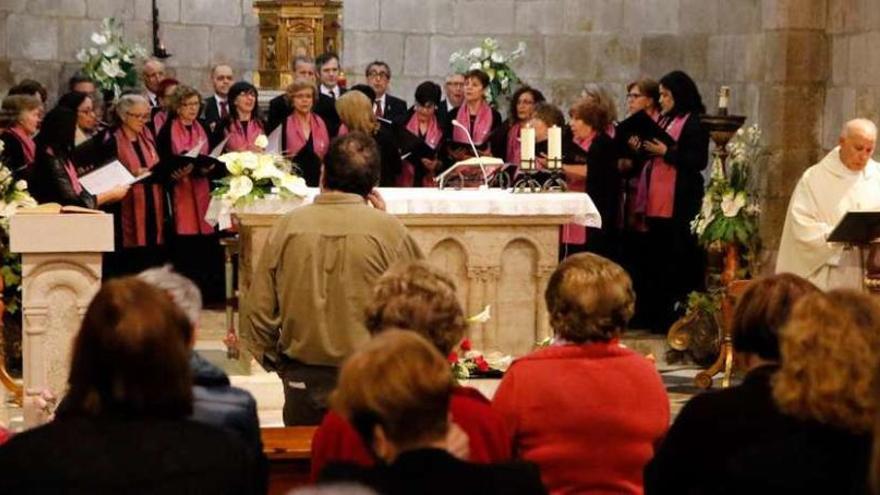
column 476, row 301
column 61, row 271
column 542, row 278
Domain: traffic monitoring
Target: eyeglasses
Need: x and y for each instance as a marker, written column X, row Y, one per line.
column 379, row 74
column 139, row 116
column 189, row 104
column 86, row 111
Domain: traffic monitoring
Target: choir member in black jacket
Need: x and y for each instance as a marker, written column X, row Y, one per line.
column 20, row 118
column 195, row 249
column 669, row 197
column 54, row 178
column 304, row 136
column 476, row 115
column 522, row 109
column 395, row 392
column 422, row 124
column 589, row 124
column 688, row 461
column 280, row 106
column 454, row 90
column 139, row 219
column 385, row 106
column 216, row 107
column 329, row 91
column 243, row 125
column 356, row 113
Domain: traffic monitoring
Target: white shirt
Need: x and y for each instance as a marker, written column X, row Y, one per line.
column 823, row 195
column 220, row 99
column 153, row 99
column 379, row 102
column 334, row 91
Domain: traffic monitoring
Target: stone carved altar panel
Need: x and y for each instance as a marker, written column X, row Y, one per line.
column 518, row 296
column 451, row 256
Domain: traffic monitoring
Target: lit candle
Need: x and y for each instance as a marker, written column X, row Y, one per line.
column 527, row 147
column 554, row 146
column 723, row 99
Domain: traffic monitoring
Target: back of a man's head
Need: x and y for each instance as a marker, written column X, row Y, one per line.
column 182, row 290
column 352, row 164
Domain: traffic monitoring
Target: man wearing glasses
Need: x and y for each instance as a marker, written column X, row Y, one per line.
column 385, row 106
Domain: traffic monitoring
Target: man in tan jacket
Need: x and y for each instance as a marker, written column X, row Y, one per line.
column 304, row 312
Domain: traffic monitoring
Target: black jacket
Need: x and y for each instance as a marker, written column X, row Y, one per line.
column 737, row 441
column 50, row 183
column 325, row 107
column 395, row 109
column 690, row 156
column 279, row 109
column 436, row 472
column 86, row 455
column 210, row 114
column 13, row 156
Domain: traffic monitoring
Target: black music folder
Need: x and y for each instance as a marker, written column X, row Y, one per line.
column 857, row 227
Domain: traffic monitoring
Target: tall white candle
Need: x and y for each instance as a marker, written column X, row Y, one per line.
column 527, row 147
column 554, row 146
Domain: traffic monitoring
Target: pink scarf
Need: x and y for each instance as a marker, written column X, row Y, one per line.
column 134, row 205
column 432, row 138
column 159, row 120
column 656, row 193
column 513, row 144
column 27, row 144
column 343, row 130
column 573, row 233
column 241, row 138
column 296, row 139
column 482, row 124
column 191, row 193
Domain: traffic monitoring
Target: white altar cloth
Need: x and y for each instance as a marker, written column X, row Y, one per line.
column 429, row 201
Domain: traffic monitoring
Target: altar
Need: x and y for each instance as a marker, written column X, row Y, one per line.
column 500, row 248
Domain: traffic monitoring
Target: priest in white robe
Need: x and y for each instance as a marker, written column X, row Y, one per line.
column 846, row 179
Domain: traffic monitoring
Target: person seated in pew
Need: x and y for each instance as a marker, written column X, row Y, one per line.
column 304, row 135
column 587, row 410
column 20, row 117
column 243, row 125
column 422, row 123
column 124, row 425
column 396, row 391
column 741, row 417
column 418, row 297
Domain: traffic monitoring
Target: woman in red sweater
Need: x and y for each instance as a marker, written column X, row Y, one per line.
column 416, row 296
column 586, row 410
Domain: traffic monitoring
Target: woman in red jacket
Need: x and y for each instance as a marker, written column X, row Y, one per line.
column 416, row 296
column 586, row 410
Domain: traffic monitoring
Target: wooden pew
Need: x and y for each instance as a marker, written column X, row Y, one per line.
column 289, row 451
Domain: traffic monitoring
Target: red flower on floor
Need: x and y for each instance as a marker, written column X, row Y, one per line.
column 466, row 345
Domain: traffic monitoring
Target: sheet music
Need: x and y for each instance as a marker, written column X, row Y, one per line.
column 219, row 148
column 195, row 151
column 274, row 145
column 107, row 177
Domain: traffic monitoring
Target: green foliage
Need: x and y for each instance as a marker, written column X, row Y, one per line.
column 111, row 62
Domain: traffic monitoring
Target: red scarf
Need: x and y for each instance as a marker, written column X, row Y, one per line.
column 573, row 233
column 71, row 172
column 513, row 144
column 482, row 124
column 27, row 144
column 296, row 140
column 241, row 138
column 191, row 193
column 656, row 193
column 134, row 205
column 432, row 138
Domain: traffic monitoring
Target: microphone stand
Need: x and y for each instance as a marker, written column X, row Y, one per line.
column 477, row 155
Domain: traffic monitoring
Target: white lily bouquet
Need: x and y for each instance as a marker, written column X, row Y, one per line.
column 495, row 63
column 730, row 209
column 111, row 62
column 256, row 175
column 13, row 195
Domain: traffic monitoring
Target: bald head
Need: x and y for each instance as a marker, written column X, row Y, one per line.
column 152, row 73
column 857, row 141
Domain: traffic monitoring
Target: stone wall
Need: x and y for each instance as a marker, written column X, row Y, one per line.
column 39, row 38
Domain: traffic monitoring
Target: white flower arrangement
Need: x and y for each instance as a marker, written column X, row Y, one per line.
column 256, row 175
column 112, row 61
column 730, row 210
column 13, row 196
column 495, row 63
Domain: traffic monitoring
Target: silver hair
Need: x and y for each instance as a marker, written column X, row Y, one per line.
column 858, row 126
column 301, row 59
column 182, row 290
column 125, row 102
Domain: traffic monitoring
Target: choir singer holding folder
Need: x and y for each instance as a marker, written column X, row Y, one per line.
column 846, row 179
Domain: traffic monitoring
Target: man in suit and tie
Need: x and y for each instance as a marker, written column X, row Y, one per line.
column 152, row 73
column 454, row 89
column 216, row 107
column 385, row 106
column 279, row 107
column 328, row 91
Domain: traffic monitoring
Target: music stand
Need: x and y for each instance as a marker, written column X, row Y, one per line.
column 858, row 229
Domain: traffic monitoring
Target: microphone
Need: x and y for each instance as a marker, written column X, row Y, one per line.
column 477, row 155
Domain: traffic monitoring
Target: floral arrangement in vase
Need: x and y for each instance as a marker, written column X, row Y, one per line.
column 495, row 63
column 13, row 195
column 111, row 62
column 468, row 362
column 254, row 175
column 730, row 211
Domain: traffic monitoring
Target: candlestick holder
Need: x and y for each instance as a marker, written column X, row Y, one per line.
column 556, row 181
column 526, row 179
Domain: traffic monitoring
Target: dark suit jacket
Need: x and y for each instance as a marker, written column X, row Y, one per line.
column 210, row 114
column 13, row 156
column 325, row 107
column 279, row 109
column 737, row 441
column 435, row 472
column 395, row 109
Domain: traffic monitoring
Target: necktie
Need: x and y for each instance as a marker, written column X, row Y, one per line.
column 379, row 108
column 224, row 109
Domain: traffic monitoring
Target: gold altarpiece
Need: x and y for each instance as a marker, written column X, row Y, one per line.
column 289, row 28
